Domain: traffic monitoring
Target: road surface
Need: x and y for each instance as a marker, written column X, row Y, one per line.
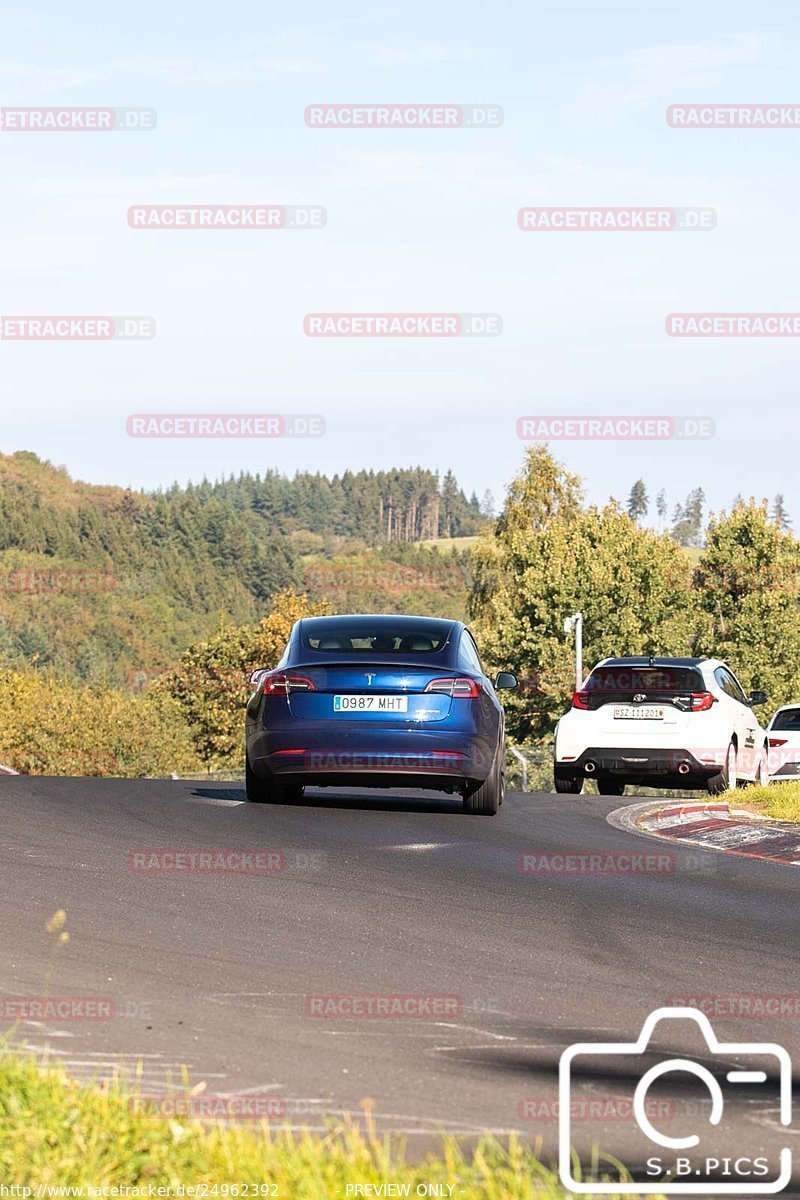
column 378, row 895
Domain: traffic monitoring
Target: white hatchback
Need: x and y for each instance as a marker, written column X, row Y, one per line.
column 663, row 722
column 783, row 733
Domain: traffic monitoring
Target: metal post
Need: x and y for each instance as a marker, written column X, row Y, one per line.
column 576, row 622
column 524, row 762
column 578, row 651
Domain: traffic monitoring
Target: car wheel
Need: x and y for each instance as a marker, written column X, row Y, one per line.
column 610, row 787
column 725, row 780
column 762, row 772
column 486, row 797
column 572, row 786
column 261, row 791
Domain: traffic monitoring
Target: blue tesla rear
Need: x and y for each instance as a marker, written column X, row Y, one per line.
column 377, row 701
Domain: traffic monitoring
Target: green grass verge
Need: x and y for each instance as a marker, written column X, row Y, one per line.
column 58, row 1133
column 779, row 800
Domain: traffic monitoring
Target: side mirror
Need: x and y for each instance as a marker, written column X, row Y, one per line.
column 258, row 675
column 505, row 680
column 757, row 698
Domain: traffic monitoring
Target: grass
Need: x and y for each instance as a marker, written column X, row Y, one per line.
column 59, row 1133
column 451, row 543
column 780, row 800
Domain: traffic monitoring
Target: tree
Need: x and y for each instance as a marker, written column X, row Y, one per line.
column 488, row 509
column 747, row 587
column 547, row 558
column 212, row 682
column 780, row 516
column 638, row 501
column 687, row 521
column 661, row 507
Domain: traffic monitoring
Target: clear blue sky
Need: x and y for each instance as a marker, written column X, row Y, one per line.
column 417, row 221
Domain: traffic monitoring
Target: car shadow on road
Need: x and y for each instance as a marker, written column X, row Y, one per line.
column 356, row 801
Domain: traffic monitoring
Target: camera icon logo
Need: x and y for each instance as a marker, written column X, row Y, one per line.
column 690, row 1164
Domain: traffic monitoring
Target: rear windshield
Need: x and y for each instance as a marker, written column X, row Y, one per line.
column 646, row 680
column 789, row 719
column 371, row 635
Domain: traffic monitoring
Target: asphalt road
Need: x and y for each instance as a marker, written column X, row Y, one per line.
column 380, row 894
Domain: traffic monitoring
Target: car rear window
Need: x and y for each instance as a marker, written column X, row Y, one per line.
column 377, row 635
column 789, row 719
column 622, row 681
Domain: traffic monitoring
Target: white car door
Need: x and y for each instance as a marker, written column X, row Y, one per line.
column 747, row 728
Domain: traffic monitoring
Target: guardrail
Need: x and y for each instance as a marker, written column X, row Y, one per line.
column 535, row 768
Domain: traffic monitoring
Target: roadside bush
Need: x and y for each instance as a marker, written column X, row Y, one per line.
column 212, row 683
column 50, row 726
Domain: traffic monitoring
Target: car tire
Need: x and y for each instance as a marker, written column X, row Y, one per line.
column 485, row 798
column 260, row 791
column 571, row 786
column 724, row 780
column 610, row 787
column 762, row 771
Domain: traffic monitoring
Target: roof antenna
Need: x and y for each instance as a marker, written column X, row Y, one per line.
column 650, row 662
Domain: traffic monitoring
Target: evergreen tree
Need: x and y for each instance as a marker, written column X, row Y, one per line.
column 638, row 501
column 687, row 521
column 661, row 507
column 779, row 514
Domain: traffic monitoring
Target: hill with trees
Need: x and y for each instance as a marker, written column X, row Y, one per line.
column 109, row 586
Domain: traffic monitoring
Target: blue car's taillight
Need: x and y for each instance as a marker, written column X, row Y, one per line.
column 462, row 688
column 282, row 685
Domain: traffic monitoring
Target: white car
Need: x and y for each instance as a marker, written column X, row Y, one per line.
column 783, row 733
column 663, row 722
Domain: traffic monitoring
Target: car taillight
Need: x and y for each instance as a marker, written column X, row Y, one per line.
column 701, row 701
column 776, row 742
column 463, row 688
column 580, row 700
column 282, row 685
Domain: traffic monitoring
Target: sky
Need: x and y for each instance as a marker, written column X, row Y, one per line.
column 417, row 221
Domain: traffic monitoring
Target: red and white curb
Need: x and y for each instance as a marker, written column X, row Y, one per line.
column 714, row 827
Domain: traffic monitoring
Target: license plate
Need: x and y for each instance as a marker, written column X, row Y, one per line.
column 645, row 712
column 359, row 704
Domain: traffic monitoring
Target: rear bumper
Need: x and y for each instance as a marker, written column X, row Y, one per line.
column 653, row 765
column 786, row 770
column 364, row 756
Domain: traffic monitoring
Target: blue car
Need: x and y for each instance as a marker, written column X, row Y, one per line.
column 377, row 701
